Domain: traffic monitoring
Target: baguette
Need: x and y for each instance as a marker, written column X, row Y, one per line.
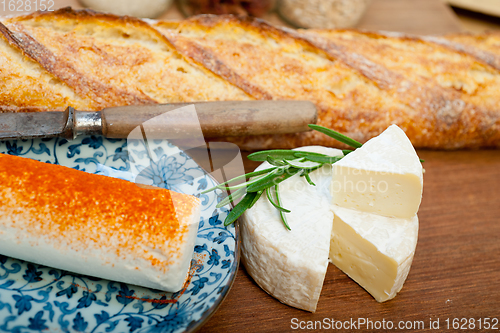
column 442, row 91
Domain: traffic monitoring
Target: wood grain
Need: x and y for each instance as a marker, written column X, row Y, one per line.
column 454, row 273
column 217, row 119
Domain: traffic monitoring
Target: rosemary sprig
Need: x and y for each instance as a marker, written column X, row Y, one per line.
column 285, row 164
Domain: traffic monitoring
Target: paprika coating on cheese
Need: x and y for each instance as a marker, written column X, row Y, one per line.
column 82, row 210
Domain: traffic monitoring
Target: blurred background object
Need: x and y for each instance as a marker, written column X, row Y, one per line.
column 489, row 7
column 424, row 17
column 142, row 8
column 322, row 14
column 477, row 15
column 257, row 8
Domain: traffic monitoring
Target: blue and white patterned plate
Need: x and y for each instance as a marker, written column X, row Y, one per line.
column 38, row 298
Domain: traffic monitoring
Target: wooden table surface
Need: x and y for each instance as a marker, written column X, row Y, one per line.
column 456, row 269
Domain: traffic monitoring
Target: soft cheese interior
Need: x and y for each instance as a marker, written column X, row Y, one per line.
column 382, row 177
column 375, row 251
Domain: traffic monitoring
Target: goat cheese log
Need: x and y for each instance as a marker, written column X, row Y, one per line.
column 442, row 91
column 96, row 225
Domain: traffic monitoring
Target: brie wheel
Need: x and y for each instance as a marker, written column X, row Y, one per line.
column 376, row 251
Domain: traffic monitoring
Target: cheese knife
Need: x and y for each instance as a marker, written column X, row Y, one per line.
column 217, row 119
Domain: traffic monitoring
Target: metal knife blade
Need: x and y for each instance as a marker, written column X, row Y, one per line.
column 25, row 125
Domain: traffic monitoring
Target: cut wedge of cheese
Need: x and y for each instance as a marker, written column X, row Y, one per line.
column 291, row 265
column 376, row 251
column 373, row 250
column 96, row 225
column 384, row 177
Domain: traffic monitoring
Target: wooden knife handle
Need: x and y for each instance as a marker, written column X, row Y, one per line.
column 217, row 119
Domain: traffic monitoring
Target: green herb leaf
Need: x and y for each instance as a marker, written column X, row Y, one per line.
column 320, row 158
column 303, row 165
column 282, row 214
column 286, row 163
column 309, row 171
column 240, row 208
column 266, row 178
column 272, row 179
column 246, row 184
column 269, row 197
column 421, row 160
column 300, row 153
column 336, row 135
column 230, row 198
column 280, row 154
column 248, row 175
column 275, row 162
column 257, row 197
column 308, row 178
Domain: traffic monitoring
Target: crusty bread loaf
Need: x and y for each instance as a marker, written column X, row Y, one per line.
column 443, row 91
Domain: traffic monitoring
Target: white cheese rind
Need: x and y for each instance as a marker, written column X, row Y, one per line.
column 291, row 265
column 375, row 251
column 384, row 177
column 102, row 262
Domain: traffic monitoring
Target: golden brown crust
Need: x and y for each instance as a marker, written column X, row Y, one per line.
column 441, row 91
column 432, row 115
column 115, row 60
column 25, row 84
column 270, row 58
column 209, row 60
column 484, row 47
column 446, row 116
column 102, row 94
